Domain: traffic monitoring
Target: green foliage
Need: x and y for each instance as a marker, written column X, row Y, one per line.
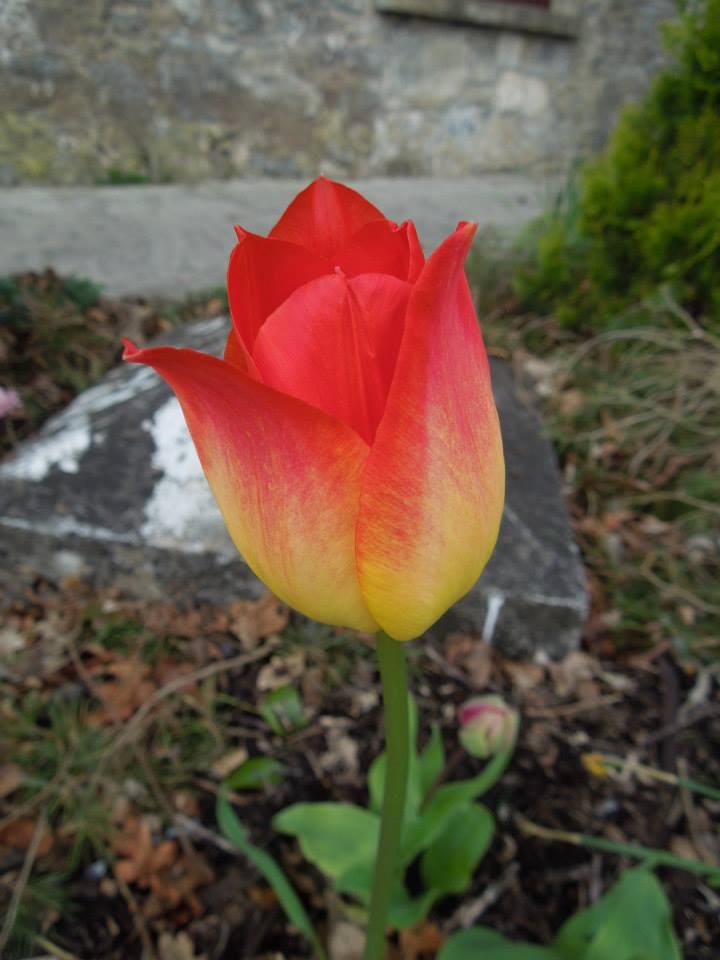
column 119, row 177
column 283, row 711
column 43, row 897
column 444, row 830
column 270, row 869
column 631, row 922
column 645, row 213
column 255, row 774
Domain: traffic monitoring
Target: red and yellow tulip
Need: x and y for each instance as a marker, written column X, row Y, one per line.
column 349, row 435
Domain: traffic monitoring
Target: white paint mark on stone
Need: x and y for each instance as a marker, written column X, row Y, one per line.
column 181, row 513
column 63, row 449
column 68, row 526
column 110, row 394
column 495, row 601
column 547, row 600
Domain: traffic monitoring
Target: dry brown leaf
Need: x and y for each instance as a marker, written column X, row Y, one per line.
column 11, row 640
column 346, row 941
column 472, row 655
column 539, row 740
column 10, row 777
column 281, row 670
column 313, row 687
column 422, row 941
column 177, row 946
column 122, row 696
column 18, row 834
column 342, row 757
column 252, row 620
column 571, row 671
column 524, row 676
column 457, row 648
column 229, row 762
column 173, row 885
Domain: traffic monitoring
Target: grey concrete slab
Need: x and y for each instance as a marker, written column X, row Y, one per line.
column 112, row 489
column 176, row 238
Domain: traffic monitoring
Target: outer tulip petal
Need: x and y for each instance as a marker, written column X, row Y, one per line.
column 432, row 491
column 324, row 217
column 334, row 344
column 383, row 247
column 286, row 478
column 261, row 274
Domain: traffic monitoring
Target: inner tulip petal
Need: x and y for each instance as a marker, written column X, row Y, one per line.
column 383, row 247
column 334, row 344
column 261, row 274
column 324, row 216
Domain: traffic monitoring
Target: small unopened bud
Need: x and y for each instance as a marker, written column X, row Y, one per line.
column 9, row 401
column 487, row 726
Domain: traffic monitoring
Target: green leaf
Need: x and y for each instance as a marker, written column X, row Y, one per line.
column 432, row 760
column 631, row 922
column 449, row 863
column 283, row 711
column 483, row 944
column 255, row 773
column 235, row 832
column 334, row 836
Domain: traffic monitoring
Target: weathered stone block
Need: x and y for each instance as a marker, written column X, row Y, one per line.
column 112, row 489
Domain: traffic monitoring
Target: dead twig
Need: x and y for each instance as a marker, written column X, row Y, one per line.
column 573, row 709
column 177, row 683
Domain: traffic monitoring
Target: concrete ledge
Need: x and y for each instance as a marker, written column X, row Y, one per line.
column 486, row 13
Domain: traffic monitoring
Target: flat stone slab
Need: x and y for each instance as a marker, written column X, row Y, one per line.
column 112, row 490
column 172, row 239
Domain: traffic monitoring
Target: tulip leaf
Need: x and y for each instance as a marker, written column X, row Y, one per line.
column 447, row 866
column 631, row 922
column 334, row 836
column 254, row 773
column 432, row 760
column 488, row 945
column 235, row 832
column 283, row 711
column 422, row 831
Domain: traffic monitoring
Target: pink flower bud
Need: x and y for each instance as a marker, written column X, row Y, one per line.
column 9, row 401
column 487, row 726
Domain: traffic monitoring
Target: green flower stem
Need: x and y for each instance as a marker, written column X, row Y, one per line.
column 393, row 675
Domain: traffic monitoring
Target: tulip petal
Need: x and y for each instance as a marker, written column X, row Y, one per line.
column 286, row 478
column 237, row 354
column 433, row 486
column 334, row 344
column 324, row 216
column 261, row 274
column 383, row 247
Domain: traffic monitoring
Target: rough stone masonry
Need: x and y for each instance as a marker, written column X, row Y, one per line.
column 111, row 489
column 178, row 90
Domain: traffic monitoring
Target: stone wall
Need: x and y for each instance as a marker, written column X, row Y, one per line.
column 190, row 89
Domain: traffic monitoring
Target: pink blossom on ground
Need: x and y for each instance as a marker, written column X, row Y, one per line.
column 9, row 401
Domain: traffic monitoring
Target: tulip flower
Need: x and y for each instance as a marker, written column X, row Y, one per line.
column 349, row 434
column 350, row 438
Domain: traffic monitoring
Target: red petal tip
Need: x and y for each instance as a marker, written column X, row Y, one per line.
column 468, row 227
column 130, row 351
column 240, row 233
